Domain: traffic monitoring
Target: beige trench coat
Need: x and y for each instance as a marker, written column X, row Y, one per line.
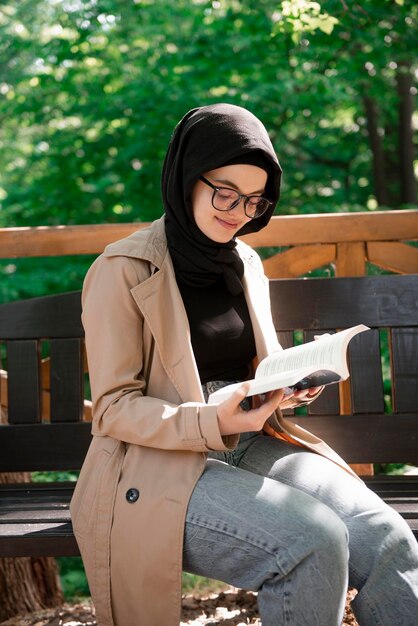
column 151, row 427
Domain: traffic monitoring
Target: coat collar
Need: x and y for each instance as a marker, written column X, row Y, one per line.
column 161, row 304
column 148, row 244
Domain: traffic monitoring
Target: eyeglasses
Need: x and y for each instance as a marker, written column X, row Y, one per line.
column 226, row 199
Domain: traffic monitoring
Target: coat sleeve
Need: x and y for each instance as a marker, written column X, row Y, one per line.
column 114, row 342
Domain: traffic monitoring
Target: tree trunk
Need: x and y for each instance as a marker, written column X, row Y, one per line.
column 379, row 171
column 408, row 187
column 27, row 584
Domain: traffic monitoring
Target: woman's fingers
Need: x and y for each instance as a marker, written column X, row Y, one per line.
column 233, row 419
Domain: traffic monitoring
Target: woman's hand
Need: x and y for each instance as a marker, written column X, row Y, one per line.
column 233, row 419
column 293, row 399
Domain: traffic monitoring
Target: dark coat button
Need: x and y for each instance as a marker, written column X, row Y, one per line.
column 132, row 495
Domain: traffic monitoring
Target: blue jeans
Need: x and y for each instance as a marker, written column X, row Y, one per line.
column 292, row 525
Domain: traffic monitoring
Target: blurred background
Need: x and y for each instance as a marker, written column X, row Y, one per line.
column 90, row 91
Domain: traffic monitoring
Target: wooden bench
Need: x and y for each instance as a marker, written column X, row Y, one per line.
column 34, row 518
column 359, row 426
column 41, row 433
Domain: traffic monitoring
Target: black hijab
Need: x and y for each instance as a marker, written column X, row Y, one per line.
column 205, row 139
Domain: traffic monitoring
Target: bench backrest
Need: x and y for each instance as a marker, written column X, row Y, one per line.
column 383, row 422
column 42, row 351
column 373, row 431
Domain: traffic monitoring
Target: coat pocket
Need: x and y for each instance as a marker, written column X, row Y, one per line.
column 84, row 501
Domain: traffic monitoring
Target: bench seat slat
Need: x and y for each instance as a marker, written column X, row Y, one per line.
column 26, row 529
column 49, row 489
column 53, row 541
column 47, row 532
column 45, row 516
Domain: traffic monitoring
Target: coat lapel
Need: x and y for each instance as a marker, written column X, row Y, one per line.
column 161, row 304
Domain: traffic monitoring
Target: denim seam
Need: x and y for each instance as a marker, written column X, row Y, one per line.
column 366, row 598
column 272, row 553
column 287, row 611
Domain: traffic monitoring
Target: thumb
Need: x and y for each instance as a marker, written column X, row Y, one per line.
column 316, row 337
column 239, row 394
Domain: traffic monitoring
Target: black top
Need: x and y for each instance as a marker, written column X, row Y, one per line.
column 221, row 332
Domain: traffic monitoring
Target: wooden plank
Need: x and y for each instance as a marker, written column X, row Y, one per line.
column 51, row 540
column 53, row 491
column 394, row 256
column 285, row 339
column 67, row 382
column 22, row 513
column 299, row 260
column 53, row 316
column 364, row 389
column 377, row 301
column 394, row 486
column 362, row 469
column 45, row 369
column 285, row 230
column 46, row 399
column 62, row 240
column 338, row 227
column 404, row 348
column 3, row 388
column 351, row 259
column 24, row 382
column 367, row 438
column 43, row 447
column 35, row 520
column 366, row 373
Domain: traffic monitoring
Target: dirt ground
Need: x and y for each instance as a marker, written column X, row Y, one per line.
column 229, row 608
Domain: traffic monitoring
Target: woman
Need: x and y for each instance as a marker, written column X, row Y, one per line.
column 172, row 313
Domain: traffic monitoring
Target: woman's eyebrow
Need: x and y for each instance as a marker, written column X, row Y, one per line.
column 229, row 183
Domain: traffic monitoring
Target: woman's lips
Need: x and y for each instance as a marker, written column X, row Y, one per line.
column 228, row 225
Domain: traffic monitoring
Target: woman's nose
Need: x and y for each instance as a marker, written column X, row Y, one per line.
column 237, row 203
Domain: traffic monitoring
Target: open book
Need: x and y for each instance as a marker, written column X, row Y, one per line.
column 319, row 362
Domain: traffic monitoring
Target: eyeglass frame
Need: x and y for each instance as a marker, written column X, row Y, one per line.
column 238, row 200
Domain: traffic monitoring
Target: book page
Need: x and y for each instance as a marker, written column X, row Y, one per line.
column 321, row 353
column 260, row 385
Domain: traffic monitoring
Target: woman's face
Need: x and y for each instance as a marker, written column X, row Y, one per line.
column 221, row 226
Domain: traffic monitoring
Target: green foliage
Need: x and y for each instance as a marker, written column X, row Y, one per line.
column 391, row 469
column 91, row 93
column 25, row 278
column 50, row 477
column 192, row 584
column 73, row 578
